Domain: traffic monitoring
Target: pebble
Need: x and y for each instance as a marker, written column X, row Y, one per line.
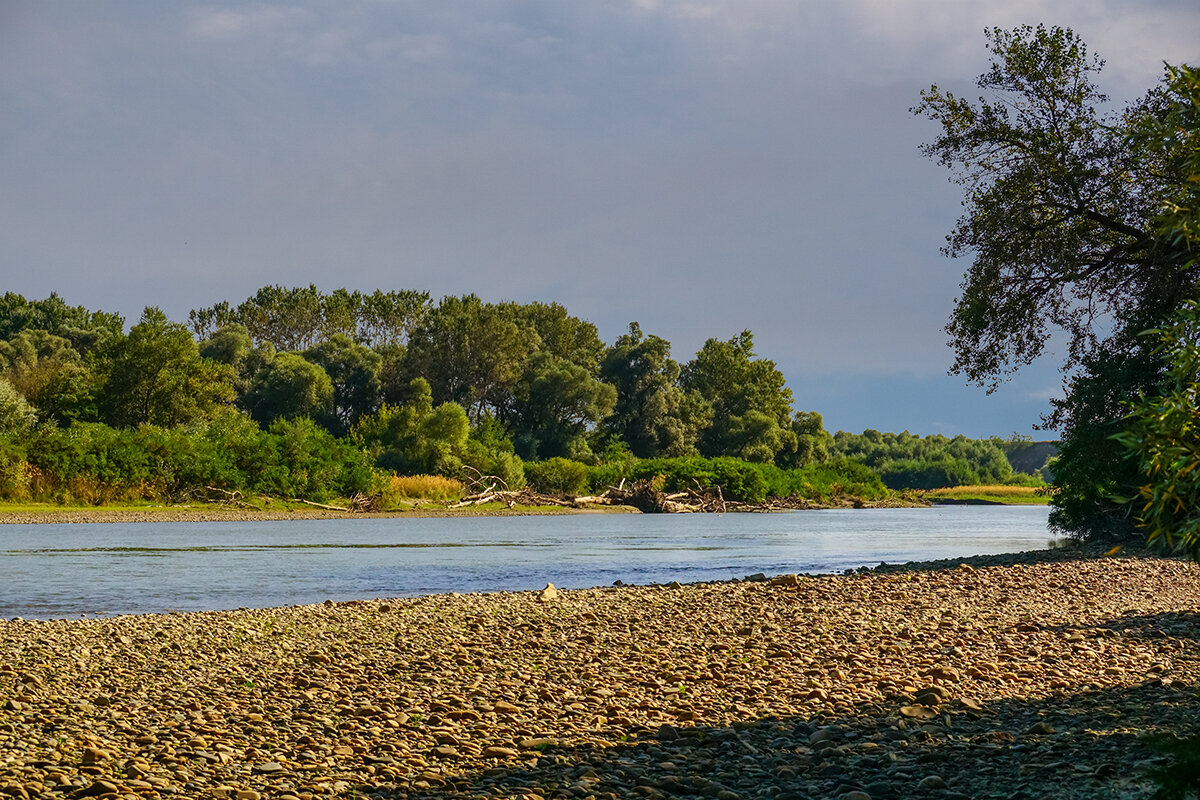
column 872, row 686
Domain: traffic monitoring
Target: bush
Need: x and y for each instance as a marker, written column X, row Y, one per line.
column 558, row 476
column 928, row 474
column 739, row 480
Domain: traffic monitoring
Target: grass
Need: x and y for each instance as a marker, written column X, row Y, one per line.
column 1004, row 495
column 425, row 487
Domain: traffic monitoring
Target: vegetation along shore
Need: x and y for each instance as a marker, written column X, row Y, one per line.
column 1027, row 676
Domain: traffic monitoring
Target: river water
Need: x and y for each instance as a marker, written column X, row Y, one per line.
column 68, row 570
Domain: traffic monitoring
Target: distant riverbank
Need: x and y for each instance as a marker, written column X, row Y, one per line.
column 1030, row 675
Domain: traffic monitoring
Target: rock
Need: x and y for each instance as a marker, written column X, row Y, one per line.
column 446, row 751
column 500, row 752
column 247, row 794
column 932, row 696
column 506, row 708
column 945, row 673
column 674, row 585
column 918, row 712
column 98, row 788
column 1040, row 729
column 94, row 755
column 548, row 594
column 825, row 735
column 268, row 768
column 855, row 794
column 757, row 577
column 930, row 783
column 786, row 580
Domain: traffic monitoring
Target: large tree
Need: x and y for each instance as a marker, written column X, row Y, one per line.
column 156, row 375
column 652, row 415
column 1061, row 204
column 752, row 406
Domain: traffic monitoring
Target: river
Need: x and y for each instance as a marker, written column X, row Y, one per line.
column 68, row 570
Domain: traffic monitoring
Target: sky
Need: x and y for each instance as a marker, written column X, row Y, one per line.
column 701, row 167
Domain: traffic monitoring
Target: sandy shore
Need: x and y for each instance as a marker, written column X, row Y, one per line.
column 1020, row 677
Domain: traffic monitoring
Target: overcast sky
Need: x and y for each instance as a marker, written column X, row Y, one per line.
column 700, row 166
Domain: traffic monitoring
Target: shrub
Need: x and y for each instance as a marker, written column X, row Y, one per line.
column 928, row 474
column 559, row 476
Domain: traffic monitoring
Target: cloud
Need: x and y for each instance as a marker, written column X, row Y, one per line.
column 257, row 21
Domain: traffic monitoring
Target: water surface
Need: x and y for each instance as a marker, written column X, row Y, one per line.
column 65, row 570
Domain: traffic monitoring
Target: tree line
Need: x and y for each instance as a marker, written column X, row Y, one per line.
column 299, row 392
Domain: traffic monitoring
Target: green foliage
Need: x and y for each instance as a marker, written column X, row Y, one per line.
column 17, row 416
column 86, row 330
column 297, row 318
column 1059, row 205
column 1162, row 434
column 288, row 387
column 490, row 452
column 975, row 461
column 813, row 443
column 472, row 353
column 651, row 413
column 353, row 371
column 751, row 405
column 557, row 476
column 556, row 402
column 157, row 376
column 739, row 480
column 929, row 474
column 416, row 438
column 95, row 463
column 1073, row 217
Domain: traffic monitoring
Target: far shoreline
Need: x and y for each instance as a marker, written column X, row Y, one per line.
column 36, row 514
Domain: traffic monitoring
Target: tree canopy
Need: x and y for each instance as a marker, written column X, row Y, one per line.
column 1065, row 202
column 1060, row 205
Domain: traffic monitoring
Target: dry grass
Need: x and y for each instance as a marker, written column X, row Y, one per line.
column 426, row 487
column 997, row 494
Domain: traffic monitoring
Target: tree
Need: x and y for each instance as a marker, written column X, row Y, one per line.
column 17, row 417
column 564, row 336
column 1162, row 433
column 156, row 375
column 813, row 442
column 472, row 353
column 48, row 372
column 1059, row 205
column 651, row 414
column 752, row 406
column 415, row 437
column 556, row 402
column 353, row 369
column 289, row 387
column 1062, row 202
column 86, row 330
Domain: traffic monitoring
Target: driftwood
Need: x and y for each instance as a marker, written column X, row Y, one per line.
column 647, row 498
column 319, row 505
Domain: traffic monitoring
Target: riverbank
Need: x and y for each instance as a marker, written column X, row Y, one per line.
column 1013, row 676
column 31, row 514
column 223, row 513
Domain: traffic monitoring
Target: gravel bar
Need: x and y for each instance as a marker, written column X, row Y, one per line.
column 1036, row 675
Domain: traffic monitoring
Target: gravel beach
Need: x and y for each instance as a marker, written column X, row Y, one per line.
column 1027, row 676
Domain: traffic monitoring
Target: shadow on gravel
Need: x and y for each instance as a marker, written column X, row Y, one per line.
column 1092, row 744
column 1054, row 555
